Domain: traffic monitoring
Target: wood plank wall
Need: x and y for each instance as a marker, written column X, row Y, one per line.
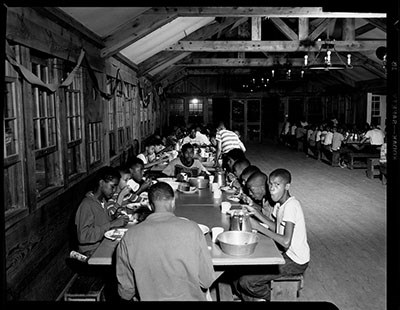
column 37, row 245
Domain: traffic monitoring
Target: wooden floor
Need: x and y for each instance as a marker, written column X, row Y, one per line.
column 345, row 215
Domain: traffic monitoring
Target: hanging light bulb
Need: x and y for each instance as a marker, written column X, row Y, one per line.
column 328, row 57
column 305, row 60
column 273, row 73
column 302, row 73
column 349, row 59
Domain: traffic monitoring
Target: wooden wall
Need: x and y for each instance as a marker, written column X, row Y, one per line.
column 38, row 241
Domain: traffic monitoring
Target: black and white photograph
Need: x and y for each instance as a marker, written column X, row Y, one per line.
column 221, row 154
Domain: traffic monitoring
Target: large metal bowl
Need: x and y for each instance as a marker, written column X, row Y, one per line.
column 238, row 243
column 199, row 182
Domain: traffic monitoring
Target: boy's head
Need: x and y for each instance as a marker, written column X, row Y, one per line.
column 125, row 174
column 192, row 132
column 234, row 155
column 150, row 146
column 239, row 166
column 136, row 168
column 107, row 179
column 187, row 154
column 161, row 197
column 279, row 184
column 158, row 144
column 257, row 185
column 247, row 172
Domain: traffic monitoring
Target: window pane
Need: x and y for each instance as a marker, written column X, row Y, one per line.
column 95, row 142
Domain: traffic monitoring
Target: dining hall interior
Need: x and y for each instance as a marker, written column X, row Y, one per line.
column 90, row 87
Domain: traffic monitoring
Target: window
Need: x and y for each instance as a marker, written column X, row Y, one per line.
column 376, row 109
column 47, row 165
column 14, row 196
column 111, row 119
column 120, row 108
column 128, row 108
column 94, row 141
column 176, row 111
column 195, row 111
column 74, row 115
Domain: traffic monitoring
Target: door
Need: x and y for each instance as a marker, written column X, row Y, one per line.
column 246, row 118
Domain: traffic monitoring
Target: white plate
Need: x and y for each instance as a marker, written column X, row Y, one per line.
column 115, row 234
column 228, row 189
column 192, row 190
column 166, row 179
column 233, row 198
column 204, row 228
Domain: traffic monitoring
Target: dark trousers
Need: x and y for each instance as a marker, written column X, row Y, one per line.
column 252, row 286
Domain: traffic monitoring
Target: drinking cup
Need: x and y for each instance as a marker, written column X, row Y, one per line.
column 215, row 231
column 225, row 206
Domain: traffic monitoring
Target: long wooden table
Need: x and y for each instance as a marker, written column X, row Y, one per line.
column 202, row 208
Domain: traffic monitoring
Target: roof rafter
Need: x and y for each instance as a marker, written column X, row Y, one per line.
column 132, row 31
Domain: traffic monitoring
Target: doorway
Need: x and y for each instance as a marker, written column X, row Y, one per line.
column 246, row 118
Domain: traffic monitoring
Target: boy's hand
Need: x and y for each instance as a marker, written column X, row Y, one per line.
column 125, row 191
column 255, row 224
column 120, row 221
column 146, row 184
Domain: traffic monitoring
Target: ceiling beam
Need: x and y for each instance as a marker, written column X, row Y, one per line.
column 370, row 65
column 378, row 23
column 247, row 62
column 348, row 29
column 200, row 34
column 256, row 28
column 132, row 31
column 239, row 62
column 363, row 29
column 271, row 46
column 304, row 27
column 167, row 64
column 284, row 28
column 284, row 12
column 320, row 28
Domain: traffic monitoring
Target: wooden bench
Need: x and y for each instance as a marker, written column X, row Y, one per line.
column 287, row 288
column 85, row 288
column 354, row 155
column 373, row 168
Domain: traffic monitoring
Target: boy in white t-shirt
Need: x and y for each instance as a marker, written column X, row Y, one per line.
column 287, row 228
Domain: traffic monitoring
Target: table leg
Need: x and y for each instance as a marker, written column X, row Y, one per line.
column 220, row 290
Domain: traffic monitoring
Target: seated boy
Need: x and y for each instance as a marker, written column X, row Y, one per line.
column 92, row 219
column 185, row 163
column 258, row 196
column 287, row 228
column 245, row 175
column 238, row 167
column 139, row 184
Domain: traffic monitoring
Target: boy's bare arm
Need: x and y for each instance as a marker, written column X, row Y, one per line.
column 255, row 209
column 284, row 240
